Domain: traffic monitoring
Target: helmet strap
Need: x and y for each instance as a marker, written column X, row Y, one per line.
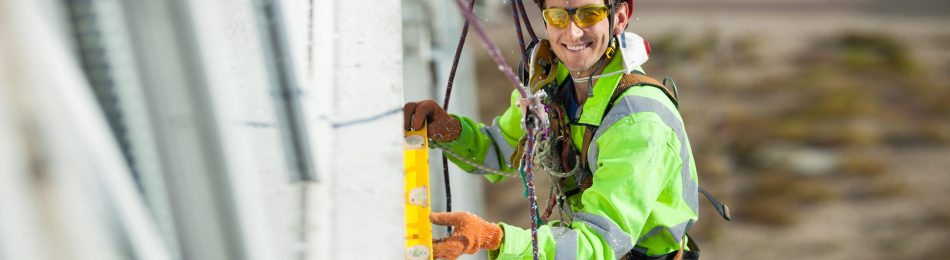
column 609, row 53
column 612, row 7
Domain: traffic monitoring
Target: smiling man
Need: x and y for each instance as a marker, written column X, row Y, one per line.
column 619, row 153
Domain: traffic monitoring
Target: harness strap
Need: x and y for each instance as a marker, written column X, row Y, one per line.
column 679, row 253
column 627, row 81
column 636, row 79
column 585, row 146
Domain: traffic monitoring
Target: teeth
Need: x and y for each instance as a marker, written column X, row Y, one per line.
column 576, row 47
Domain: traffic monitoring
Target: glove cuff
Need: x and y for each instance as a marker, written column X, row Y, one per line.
column 491, row 239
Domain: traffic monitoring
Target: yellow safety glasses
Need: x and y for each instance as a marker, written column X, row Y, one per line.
column 585, row 16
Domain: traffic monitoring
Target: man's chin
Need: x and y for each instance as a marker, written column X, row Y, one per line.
column 579, row 69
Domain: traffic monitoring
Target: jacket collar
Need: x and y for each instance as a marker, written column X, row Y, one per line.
column 595, row 107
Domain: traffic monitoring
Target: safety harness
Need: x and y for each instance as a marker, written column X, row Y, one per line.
column 628, row 81
column 557, row 156
column 561, row 158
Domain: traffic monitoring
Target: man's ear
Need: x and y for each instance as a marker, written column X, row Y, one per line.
column 621, row 19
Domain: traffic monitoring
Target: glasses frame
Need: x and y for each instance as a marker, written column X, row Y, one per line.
column 572, row 13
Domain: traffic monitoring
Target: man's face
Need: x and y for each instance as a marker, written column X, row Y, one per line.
column 579, row 48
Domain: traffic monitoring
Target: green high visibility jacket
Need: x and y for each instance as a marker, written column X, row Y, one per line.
column 644, row 192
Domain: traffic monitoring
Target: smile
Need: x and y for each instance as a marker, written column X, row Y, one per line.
column 577, row 47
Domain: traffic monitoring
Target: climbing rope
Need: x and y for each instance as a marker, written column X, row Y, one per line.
column 445, row 106
column 484, row 168
column 527, row 176
column 514, row 17
column 533, row 121
column 527, row 23
column 517, row 8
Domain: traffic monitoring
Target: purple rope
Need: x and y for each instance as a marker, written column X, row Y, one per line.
column 532, row 104
column 496, row 56
column 532, row 197
column 514, row 16
column 527, row 23
column 445, row 106
column 455, row 62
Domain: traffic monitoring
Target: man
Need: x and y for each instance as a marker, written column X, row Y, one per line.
column 631, row 193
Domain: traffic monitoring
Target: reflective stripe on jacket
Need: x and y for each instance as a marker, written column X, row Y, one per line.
column 644, row 192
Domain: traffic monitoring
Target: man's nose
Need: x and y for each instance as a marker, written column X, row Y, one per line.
column 574, row 30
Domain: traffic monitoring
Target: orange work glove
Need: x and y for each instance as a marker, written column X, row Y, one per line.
column 442, row 126
column 471, row 233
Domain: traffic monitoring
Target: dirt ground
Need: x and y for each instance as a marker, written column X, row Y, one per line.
column 913, row 224
column 882, row 197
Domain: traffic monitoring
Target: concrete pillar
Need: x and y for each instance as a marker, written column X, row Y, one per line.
column 66, row 191
column 355, row 101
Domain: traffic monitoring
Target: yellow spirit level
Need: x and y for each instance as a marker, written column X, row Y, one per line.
column 418, row 226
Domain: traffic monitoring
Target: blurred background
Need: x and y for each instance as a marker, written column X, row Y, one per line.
column 824, row 125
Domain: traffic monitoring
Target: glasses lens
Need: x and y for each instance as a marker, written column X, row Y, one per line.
column 590, row 15
column 556, row 17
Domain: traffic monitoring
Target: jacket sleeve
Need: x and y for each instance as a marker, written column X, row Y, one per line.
column 634, row 162
column 492, row 145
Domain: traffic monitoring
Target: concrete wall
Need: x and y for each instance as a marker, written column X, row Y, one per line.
column 357, row 68
column 65, row 191
column 194, row 82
